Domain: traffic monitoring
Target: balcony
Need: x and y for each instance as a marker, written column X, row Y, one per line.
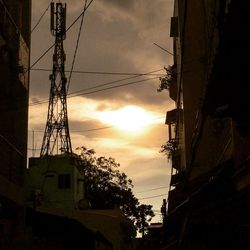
column 176, row 179
column 173, row 116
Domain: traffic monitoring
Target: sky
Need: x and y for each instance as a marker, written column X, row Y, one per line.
column 126, row 122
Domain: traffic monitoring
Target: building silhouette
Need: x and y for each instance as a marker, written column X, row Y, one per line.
column 209, row 144
column 15, row 19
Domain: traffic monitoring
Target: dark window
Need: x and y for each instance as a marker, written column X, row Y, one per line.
column 64, row 181
column 174, row 27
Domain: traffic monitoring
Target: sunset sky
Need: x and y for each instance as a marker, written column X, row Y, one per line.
column 125, row 122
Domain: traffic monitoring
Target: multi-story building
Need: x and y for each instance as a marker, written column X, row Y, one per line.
column 15, row 19
column 209, row 129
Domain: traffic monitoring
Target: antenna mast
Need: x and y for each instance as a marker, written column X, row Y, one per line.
column 56, row 139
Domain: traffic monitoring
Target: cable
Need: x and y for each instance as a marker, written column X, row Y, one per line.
column 99, row 85
column 116, row 81
column 39, row 58
column 73, row 94
column 100, row 90
column 113, row 87
column 82, row 13
column 40, row 19
column 163, row 49
column 103, row 72
column 95, row 129
column 77, row 44
column 120, row 80
column 150, row 197
column 152, row 189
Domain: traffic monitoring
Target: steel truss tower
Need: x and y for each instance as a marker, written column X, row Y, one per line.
column 56, row 139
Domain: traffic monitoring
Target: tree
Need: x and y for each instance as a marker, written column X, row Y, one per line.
column 106, row 187
column 169, row 148
column 168, row 79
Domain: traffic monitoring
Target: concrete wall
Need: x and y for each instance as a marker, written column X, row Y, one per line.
column 42, row 180
column 195, row 48
column 14, row 83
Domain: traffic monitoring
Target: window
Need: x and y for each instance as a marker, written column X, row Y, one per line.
column 174, row 27
column 64, row 181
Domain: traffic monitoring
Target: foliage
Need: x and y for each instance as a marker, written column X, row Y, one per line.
column 145, row 215
column 169, row 148
column 106, row 187
column 168, row 79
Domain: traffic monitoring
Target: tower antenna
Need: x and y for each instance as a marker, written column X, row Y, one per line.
column 56, row 139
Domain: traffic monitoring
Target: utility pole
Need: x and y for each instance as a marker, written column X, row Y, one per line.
column 56, row 139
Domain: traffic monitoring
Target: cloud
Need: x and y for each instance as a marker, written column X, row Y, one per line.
column 117, row 36
column 144, row 170
column 123, row 44
column 121, row 4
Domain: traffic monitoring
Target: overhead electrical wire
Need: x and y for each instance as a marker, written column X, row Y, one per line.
column 40, row 19
column 95, row 91
column 100, row 85
column 152, row 189
column 150, row 197
column 115, row 81
column 92, row 129
column 77, row 44
column 104, row 72
column 170, row 53
column 96, row 129
column 82, row 13
column 75, row 93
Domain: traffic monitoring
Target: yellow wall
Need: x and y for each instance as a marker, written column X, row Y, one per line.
column 42, row 177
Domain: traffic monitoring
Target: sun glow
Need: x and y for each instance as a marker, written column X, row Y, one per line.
column 130, row 118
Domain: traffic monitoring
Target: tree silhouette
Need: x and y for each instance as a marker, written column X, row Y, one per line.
column 106, row 188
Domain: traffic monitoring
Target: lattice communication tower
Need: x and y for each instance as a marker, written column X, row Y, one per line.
column 56, row 139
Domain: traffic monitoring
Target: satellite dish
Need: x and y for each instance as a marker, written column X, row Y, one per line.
column 83, row 204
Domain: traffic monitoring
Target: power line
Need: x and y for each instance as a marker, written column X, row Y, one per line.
column 106, row 127
column 99, row 85
column 92, row 129
column 115, row 81
column 40, row 19
column 152, row 189
column 96, row 129
column 164, row 49
column 150, row 197
column 103, row 72
column 77, row 44
column 82, row 13
column 113, row 87
column 73, row 94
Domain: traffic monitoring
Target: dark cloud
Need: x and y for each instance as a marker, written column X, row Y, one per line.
column 123, row 4
column 119, row 45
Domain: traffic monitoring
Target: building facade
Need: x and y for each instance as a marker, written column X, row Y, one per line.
column 15, row 19
column 209, row 129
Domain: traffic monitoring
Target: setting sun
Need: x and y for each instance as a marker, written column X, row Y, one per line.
column 129, row 118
